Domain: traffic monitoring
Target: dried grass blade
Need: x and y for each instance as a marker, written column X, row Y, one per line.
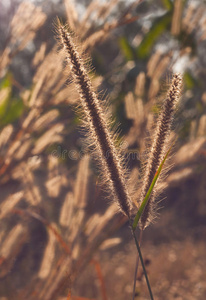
column 100, row 277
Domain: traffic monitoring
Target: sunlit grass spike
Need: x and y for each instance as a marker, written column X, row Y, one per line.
column 145, row 201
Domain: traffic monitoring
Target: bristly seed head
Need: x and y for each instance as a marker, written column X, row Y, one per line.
column 158, row 147
column 97, row 124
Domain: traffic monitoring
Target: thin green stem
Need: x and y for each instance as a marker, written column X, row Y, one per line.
column 136, row 267
column 142, row 262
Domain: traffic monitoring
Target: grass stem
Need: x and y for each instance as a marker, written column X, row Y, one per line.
column 142, row 262
column 136, row 267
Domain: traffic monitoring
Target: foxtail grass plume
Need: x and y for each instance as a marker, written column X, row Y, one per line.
column 97, row 124
column 158, row 147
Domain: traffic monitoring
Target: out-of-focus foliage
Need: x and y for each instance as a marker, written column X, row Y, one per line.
column 11, row 107
column 158, row 28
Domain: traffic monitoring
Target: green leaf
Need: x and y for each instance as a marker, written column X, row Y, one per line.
column 5, row 90
column 6, row 82
column 10, row 108
column 5, row 95
column 189, row 81
column 159, row 26
column 14, row 110
column 126, row 48
column 144, row 202
column 167, row 4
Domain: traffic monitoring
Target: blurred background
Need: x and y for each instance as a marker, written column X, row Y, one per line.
column 61, row 236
